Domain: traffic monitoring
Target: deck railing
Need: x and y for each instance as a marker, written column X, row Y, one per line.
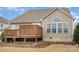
column 27, row 31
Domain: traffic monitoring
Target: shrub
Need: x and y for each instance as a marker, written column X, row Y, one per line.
column 2, row 36
column 76, row 34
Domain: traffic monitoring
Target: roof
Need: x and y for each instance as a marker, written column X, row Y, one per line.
column 35, row 15
column 2, row 20
column 31, row 16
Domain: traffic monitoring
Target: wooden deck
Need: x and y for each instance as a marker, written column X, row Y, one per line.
column 25, row 31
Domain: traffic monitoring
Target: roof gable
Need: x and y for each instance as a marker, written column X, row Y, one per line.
column 65, row 12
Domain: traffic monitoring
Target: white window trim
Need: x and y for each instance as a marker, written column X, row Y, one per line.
column 57, row 27
column 50, row 28
column 67, row 27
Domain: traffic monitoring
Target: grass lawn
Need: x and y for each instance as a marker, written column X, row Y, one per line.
column 50, row 48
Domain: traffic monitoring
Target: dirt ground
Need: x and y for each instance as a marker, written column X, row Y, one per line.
column 50, row 48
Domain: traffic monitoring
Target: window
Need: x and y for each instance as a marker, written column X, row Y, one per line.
column 59, row 27
column 54, row 28
column 1, row 25
column 65, row 28
column 56, row 20
column 48, row 28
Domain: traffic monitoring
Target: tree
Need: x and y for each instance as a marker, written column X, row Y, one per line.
column 76, row 34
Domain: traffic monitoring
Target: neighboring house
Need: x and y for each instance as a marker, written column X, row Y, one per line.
column 3, row 24
column 56, row 23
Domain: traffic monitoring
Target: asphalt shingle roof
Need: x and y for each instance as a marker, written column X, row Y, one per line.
column 35, row 15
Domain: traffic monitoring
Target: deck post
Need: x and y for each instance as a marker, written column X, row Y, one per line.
column 14, row 41
column 24, row 42
column 5, row 43
column 36, row 39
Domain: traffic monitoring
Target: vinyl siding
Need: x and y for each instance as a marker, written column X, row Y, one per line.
column 57, row 37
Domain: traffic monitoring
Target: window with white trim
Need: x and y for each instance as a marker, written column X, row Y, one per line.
column 65, row 27
column 53, row 27
column 48, row 28
column 57, row 26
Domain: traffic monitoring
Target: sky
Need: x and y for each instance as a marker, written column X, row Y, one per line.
column 75, row 12
column 9, row 13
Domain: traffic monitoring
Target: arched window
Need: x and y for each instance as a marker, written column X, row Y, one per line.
column 56, row 20
column 57, row 26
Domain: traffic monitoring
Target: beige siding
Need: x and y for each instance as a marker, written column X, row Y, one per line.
column 63, row 37
column 14, row 26
column 17, row 26
column 5, row 25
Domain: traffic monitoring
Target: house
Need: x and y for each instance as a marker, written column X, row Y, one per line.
column 56, row 23
column 57, row 26
column 3, row 24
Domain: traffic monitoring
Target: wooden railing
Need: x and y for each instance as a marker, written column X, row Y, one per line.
column 11, row 33
column 28, row 31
